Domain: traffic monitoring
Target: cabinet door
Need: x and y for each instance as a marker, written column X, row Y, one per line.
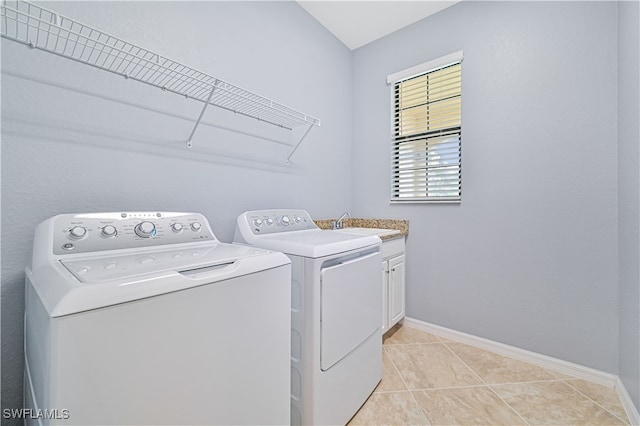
column 396, row 289
column 385, row 296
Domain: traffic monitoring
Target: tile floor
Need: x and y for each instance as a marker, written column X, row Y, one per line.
column 431, row 380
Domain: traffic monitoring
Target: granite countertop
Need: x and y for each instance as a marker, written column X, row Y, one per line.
column 353, row 222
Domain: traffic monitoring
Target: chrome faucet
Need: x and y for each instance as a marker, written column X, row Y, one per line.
column 337, row 224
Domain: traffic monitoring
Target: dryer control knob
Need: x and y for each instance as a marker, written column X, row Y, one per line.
column 257, row 222
column 77, row 232
column 285, row 221
column 296, row 219
column 176, row 227
column 195, row 226
column 109, row 231
column 145, row 229
column 269, row 221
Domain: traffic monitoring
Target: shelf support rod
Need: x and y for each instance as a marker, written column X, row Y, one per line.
column 299, row 142
column 204, row 108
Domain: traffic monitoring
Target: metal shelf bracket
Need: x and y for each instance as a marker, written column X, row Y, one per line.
column 295, row 148
column 204, row 108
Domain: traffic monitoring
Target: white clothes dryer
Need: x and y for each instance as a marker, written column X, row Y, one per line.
column 336, row 341
column 146, row 318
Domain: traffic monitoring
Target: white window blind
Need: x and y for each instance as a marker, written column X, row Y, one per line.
column 426, row 155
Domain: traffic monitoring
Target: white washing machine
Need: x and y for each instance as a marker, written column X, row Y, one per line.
column 336, row 351
column 146, row 318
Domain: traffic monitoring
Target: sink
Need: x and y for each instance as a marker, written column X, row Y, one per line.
column 370, row 231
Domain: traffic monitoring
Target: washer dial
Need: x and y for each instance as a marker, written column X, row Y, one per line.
column 145, row 229
column 77, row 232
column 109, row 231
column 195, row 226
column 285, row 221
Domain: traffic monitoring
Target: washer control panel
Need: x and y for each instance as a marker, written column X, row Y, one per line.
column 263, row 222
column 82, row 233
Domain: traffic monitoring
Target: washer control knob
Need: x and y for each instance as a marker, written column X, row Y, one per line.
column 296, row 219
column 269, row 221
column 257, row 222
column 285, row 221
column 145, row 229
column 195, row 226
column 176, row 227
column 77, row 232
column 109, row 231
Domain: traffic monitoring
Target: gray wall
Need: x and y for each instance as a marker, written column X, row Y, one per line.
column 629, row 195
column 76, row 139
column 529, row 258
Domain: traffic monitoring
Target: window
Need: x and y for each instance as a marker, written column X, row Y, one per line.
column 426, row 129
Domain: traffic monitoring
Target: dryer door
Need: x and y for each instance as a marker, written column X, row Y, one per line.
column 350, row 307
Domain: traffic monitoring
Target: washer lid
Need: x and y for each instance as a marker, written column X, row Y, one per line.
column 315, row 243
column 119, row 267
column 81, row 283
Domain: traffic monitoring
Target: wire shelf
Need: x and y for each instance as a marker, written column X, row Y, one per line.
column 46, row 30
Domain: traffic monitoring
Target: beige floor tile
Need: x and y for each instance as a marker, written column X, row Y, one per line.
column 449, row 392
column 494, row 368
column 429, row 366
column 561, row 376
column 400, row 335
column 553, row 403
column 606, row 397
column 391, row 380
column 476, row 405
column 391, row 408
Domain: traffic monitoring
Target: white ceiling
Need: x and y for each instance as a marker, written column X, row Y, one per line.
column 357, row 23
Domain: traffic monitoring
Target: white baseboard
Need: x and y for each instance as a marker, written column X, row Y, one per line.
column 627, row 403
column 550, row 363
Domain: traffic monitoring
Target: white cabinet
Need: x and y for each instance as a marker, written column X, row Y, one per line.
column 396, row 289
column 393, row 282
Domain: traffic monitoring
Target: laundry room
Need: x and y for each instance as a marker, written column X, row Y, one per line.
column 222, row 108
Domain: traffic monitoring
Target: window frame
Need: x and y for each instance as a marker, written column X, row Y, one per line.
column 393, row 80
